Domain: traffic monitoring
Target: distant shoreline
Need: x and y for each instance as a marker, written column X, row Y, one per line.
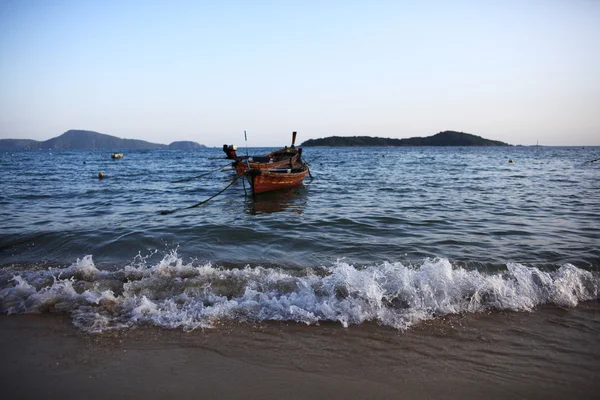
column 445, row 138
column 90, row 140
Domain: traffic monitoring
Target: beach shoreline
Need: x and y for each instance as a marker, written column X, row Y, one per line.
column 550, row 353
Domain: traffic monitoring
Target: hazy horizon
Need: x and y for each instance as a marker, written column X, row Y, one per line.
column 519, row 72
column 286, row 142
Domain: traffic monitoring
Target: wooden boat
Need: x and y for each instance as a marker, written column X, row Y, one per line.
column 266, row 180
column 268, row 161
column 275, row 159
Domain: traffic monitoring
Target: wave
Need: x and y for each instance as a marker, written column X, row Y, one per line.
column 176, row 294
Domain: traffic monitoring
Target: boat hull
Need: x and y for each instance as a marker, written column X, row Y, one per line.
column 266, row 181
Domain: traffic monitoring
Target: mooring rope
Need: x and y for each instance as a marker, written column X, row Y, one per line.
column 166, row 212
column 308, row 165
column 198, row 176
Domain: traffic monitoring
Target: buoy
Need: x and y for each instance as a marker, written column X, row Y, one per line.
column 100, row 175
column 510, row 161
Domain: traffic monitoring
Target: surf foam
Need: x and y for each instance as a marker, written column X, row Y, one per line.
column 176, row 294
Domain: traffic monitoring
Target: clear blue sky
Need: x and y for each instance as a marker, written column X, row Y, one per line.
column 518, row 71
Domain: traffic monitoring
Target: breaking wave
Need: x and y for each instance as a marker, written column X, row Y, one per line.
column 175, row 294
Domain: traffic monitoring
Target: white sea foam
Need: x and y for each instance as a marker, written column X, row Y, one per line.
column 176, row 294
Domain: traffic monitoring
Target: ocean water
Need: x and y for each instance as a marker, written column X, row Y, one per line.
column 394, row 236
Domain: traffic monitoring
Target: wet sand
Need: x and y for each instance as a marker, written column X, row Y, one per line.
column 552, row 353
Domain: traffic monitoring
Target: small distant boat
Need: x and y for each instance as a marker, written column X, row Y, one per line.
column 117, row 155
column 266, row 180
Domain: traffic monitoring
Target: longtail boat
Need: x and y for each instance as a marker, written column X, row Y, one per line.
column 266, row 180
column 267, row 162
column 276, row 159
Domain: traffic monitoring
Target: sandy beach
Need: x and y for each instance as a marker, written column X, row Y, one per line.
column 290, row 200
column 552, row 354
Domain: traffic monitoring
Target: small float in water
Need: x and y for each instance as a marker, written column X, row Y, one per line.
column 116, row 155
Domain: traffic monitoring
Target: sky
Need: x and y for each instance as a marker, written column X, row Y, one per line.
column 521, row 71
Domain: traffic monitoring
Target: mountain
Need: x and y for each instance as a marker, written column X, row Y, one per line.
column 446, row 138
column 78, row 139
column 19, row 144
column 186, row 145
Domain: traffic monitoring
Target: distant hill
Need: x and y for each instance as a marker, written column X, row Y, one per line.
column 19, row 144
column 446, row 138
column 186, row 145
column 78, row 139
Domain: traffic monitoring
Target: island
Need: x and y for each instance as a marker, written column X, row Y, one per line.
column 80, row 139
column 445, row 138
column 183, row 145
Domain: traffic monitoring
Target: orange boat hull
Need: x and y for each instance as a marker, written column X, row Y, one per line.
column 265, row 181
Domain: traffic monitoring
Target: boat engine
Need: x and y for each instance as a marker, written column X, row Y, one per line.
column 230, row 151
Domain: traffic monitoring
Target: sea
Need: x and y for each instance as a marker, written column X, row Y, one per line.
column 394, row 236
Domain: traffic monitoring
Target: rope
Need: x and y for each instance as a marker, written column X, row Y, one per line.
column 308, row 165
column 198, row 176
column 166, row 212
column 316, row 158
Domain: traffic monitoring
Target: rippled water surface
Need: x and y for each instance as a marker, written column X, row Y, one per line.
column 388, row 234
